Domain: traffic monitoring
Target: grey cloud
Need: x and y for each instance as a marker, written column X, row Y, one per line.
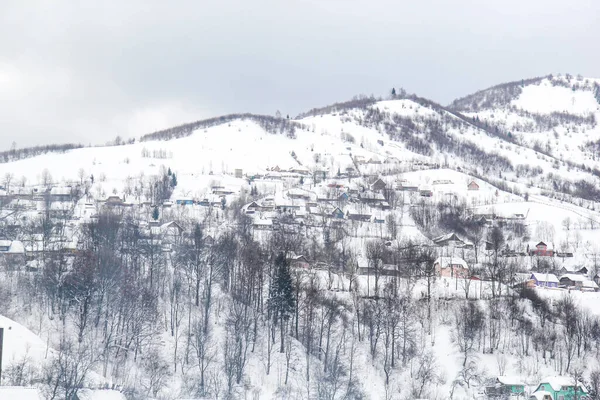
column 87, row 72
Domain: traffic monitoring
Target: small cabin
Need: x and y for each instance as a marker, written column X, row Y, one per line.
column 473, row 186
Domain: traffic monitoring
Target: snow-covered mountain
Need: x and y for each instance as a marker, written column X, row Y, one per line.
column 349, row 190
column 554, row 115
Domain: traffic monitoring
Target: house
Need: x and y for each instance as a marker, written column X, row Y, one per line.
column 299, row 170
column 99, row 394
column 408, row 188
column 572, row 281
column 113, row 201
column 263, row 224
column 589, row 286
column 540, row 249
column 451, row 267
column 184, row 201
column 544, row 280
column 378, row 185
column 297, row 261
column 573, row 270
column 472, row 186
column 560, row 388
column 371, row 198
column 337, row 213
column 170, row 231
column 426, row 193
column 449, row 239
column 238, row 173
column 578, row 282
column 353, row 215
column 251, row 208
column 59, row 193
column 297, row 193
column 506, row 386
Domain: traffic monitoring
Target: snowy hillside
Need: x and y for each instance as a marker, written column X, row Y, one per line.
column 374, row 249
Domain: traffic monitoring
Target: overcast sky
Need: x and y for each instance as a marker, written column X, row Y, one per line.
column 71, row 72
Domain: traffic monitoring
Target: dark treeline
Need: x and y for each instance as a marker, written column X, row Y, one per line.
column 28, row 152
column 270, row 124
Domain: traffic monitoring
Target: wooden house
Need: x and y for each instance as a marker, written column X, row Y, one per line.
column 451, row 267
column 297, row 261
column 573, row 270
column 578, row 282
column 378, row 185
column 560, row 388
column 449, row 239
column 472, row 186
column 358, row 216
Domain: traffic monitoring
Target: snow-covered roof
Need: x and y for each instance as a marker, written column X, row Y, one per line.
column 574, row 277
column 540, row 395
column 20, row 393
column 549, row 245
column 14, row 246
column 590, row 284
column 559, row 381
column 445, row 262
column 61, row 190
column 541, row 277
column 100, row 394
column 510, row 380
column 263, row 222
column 446, row 237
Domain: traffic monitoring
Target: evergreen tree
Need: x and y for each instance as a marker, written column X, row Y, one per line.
column 173, row 180
column 169, row 171
column 155, row 214
column 281, row 303
column 393, row 93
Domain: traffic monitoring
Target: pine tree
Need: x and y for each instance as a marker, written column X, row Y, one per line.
column 393, row 93
column 169, row 171
column 173, row 180
column 281, row 301
column 155, row 214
